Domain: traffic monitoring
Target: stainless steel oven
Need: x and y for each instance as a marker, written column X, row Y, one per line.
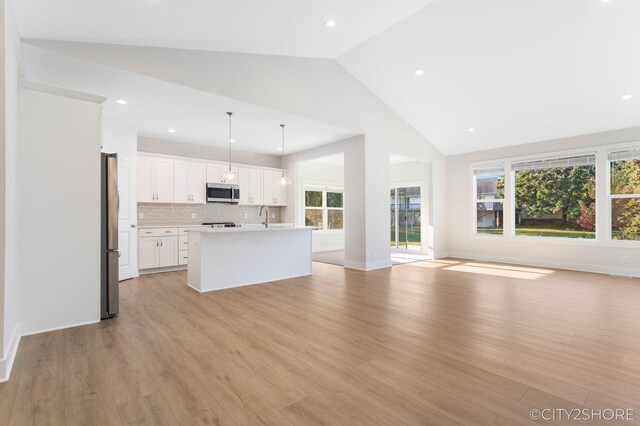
column 222, row 193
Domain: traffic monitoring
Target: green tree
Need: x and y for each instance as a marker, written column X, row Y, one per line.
column 563, row 190
column 625, row 213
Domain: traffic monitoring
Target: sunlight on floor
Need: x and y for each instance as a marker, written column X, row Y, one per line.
column 509, row 271
column 434, row 264
column 400, row 258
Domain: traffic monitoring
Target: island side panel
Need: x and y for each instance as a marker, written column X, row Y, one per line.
column 194, row 267
column 232, row 259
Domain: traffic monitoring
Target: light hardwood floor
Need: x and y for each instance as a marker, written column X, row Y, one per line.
column 445, row 342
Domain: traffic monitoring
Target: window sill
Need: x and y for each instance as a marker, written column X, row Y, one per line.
column 561, row 241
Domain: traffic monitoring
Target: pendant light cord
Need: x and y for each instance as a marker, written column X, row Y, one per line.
column 229, row 141
column 282, row 125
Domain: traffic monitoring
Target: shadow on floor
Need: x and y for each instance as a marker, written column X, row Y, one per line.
column 336, row 257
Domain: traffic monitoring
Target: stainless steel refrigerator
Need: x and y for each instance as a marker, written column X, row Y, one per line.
column 109, row 239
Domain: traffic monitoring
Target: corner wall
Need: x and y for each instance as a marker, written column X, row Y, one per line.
column 58, row 193
column 11, row 69
column 595, row 256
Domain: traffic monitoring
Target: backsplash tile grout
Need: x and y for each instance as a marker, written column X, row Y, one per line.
column 161, row 214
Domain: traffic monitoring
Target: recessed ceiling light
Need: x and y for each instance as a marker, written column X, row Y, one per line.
column 232, row 140
column 330, row 23
column 121, row 101
column 418, row 71
column 471, row 129
column 171, row 130
column 627, row 97
column 279, row 148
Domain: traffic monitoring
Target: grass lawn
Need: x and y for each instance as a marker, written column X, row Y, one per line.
column 413, row 235
column 543, row 232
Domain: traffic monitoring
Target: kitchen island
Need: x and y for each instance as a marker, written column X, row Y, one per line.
column 232, row 257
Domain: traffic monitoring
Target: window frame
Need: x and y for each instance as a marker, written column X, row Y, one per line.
column 476, row 201
column 610, row 197
column 550, row 156
column 325, row 208
column 603, row 206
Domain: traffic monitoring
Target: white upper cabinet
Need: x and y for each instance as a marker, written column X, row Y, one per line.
column 189, row 182
column 146, row 191
column 275, row 194
column 181, row 182
column 216, row 172
column 155, row 180
column 178, row 180
column 198, row 183
column 251, row 186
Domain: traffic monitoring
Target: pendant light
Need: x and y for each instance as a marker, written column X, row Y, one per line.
column 229, row 175
column 284, row 180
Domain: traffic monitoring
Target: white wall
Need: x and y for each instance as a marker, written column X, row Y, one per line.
column 11, row 69
column 58, row 253
column 312, row 172
column 319, row 89
column 184, row 149
column 596, row 256
column 119, row 137
column 355, row 236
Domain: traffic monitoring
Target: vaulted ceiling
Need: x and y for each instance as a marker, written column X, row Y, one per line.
column 513, row 71
column 270, row 27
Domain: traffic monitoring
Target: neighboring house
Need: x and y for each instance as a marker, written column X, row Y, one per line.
column 486, row 219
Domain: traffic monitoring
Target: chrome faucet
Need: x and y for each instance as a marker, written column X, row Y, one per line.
column 266, row 221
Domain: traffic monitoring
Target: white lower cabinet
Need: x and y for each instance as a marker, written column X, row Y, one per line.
column 157, row 252
column 168, row 251
column 148, row 252
column 183, row 257
column 162, row 247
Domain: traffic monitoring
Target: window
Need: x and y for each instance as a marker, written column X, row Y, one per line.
column 624, row 194
column 324, row 208
column 556, row 197
column 488, row 188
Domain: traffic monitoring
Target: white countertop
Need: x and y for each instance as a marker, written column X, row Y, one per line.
column 209, row 230
column 171, row 226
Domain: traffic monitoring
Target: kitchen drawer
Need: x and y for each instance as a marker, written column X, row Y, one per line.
column 185, row 231
column 157, row 232
column 183, row 257
column 183, row 243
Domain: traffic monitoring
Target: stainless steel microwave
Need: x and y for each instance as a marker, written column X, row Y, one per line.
column 223, row 193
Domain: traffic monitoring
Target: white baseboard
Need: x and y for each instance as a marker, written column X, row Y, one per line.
column 367, row 266
column 165, row 269
column 328, row 248
column 31, row 333
column 571, row 266
column 6, row 364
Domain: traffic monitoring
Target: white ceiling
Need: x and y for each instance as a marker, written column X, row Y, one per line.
column 154, row 106
column 274, row 27
column 516, row 71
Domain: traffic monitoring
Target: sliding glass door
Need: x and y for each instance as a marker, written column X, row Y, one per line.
column 405, row 218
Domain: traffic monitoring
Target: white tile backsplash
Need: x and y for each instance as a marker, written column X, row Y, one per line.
column 161, row 214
